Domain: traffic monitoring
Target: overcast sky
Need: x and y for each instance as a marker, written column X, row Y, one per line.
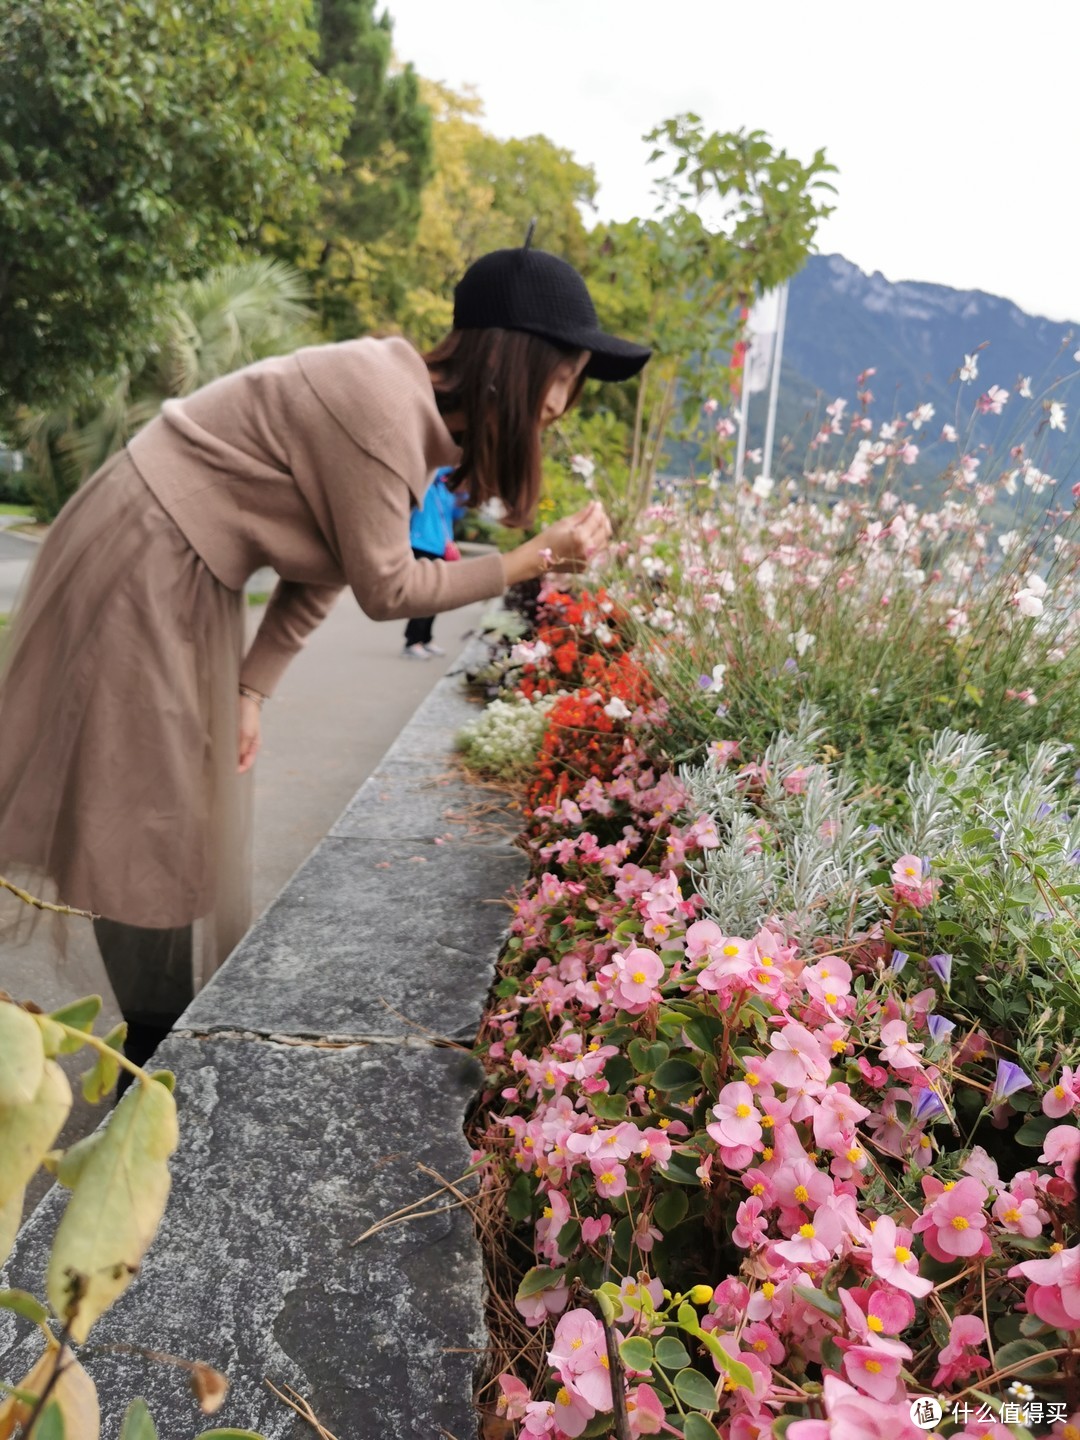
column 954, row 124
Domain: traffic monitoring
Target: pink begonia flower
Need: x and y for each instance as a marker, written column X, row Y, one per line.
column 876, row 1317
column 1062, row 1148
column 751, row 1229
column 635, row 977
column 579, row 1342
column 836, row 1118
column 737, row 1122
column 610, row 1178
column 852, row 1416
column 797, row 1056
column 539, row 1418
column 1063, row 1097
column 1055, row 1294
column 645, row 1412
column 572, row 1411
column 891, row 1258
column 801, row 1183
column 911, row 885
column 556, row 1215
column 805, row 1247
column 896, row 1049
column 983, row 1167
column 724, row 751
column 536, row 1308
column 828, row 979
column 953, row 1225
column 593, row 1229
column 763, row 1340
column 955, row 1363
column 655, row 1145
column 874, row 1371
column 1019, row 1216
column 514, row 1397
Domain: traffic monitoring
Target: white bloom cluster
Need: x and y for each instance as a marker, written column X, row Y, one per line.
column 504, row 741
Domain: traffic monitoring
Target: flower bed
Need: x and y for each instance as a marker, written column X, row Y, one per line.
column 781, row 1144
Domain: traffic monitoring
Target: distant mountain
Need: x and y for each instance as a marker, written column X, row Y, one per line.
column 842, row 321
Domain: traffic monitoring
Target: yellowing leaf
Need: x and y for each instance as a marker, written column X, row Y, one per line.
column 10, row 1220
column 73, row 1393
column 115, row 1210
column 28, row 1130
column 22, row 1055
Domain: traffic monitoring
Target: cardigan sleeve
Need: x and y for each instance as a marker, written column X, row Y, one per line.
column 371, row 523
column 293, row 612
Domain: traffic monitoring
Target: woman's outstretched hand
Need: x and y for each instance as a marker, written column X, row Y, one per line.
column 569, row 544
column 250, row 733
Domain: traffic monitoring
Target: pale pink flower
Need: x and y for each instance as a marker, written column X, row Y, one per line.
column 1061, row 1099
column 874, row 1371
column 610, row 1178
column 1055, row 1294
column 993, row 402
column 725, row 428
column 852, row 1416
column 948, row 434
column 877, row 1317
column 892, row 1260
column 514, row 1397
column 644, row 1411
column 970, row 369
column 737, row 1121
column 955, row 1362
column 896, row 1049
column 1057, row 415
column 635, row 977
column 751, row 1229
column 1019, row 1215
column 953, row 1224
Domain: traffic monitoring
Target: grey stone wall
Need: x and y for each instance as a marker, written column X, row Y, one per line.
column 311, row 1084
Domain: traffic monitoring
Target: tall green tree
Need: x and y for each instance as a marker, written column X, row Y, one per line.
column 386, row 160
column 140, row 142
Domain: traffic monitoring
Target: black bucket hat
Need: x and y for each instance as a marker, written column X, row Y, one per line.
column 534, row 291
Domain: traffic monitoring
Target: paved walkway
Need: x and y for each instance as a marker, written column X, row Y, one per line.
column 342, row 703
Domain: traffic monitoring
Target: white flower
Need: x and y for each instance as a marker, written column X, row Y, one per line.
column 1036, row 585
column 920, row 416
column 1028, row 603
column 615, row 709
column 528, row 652
column 1024, row 388
column 583, row 466
column 604, row 634
column 970, row 369
column 948, row 433
column 1007, row 540
column 1057, row 415
column 763, row 487
column 802, row 640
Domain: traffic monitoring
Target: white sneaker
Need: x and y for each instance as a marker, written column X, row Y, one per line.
column 433, row 649
column 415, row 652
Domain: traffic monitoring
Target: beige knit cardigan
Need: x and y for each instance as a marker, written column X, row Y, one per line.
column 310, row 463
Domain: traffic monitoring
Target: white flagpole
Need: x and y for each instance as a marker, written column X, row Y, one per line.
column 774, row 386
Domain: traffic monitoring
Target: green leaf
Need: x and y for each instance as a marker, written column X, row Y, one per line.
column 80, row 1015
column 1018, row 1350
column 1033, row 1132
column 229, row 1435
column 670, row 1210
column 671, row 1353
column 22, row 1055
column 51, row 1424
column 733, row 1369
column 696, row 1427
column 10, row 1220
column 28, row 1129
column 673, row 1073
column 24, row 1304
column 538, row 1279
column 820, row 1301
column 681, row 1170
column 692, row 1388
column 980, row 835
column 519, row 1198
column 115, row 1209
column 610, row 1107
column 100, row 1080
column 636, row 1353
column 138, row 1424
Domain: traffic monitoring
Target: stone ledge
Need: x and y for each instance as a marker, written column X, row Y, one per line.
column 305, row 1105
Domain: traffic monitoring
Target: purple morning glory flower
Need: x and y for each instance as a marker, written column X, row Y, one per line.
column 873, row 829
column 1010, row 1079
column 940, row 1028
column 927, row 1106
column 1075, row 857
column 1044, row 810
column 941, row 965
column 899, row 960
column 791, row 666
column 704, row 682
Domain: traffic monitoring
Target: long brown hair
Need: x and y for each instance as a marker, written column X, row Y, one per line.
column 496, row 381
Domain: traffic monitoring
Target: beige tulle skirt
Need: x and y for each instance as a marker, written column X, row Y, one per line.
column 119, row 791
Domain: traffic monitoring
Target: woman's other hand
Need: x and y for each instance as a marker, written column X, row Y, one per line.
column 250, row 732
column 569, row 545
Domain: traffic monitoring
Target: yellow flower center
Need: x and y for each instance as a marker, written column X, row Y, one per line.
column 1056, row 1249
column 563, row 1397
column 663, row 1122
column 607, row 1178
column 854, row 1155
column 1059, row 1094
column 830, row 998
column 768, row 1289
column 902, row 1253
column 767, row 1122
column 731, row 949
column 1012, row 1216
column 575, row 1344
column 1071, row 1432
column 757, row 1189
column 824, row 974
column 875, row 1323
column 638, row 977
column 767, row 961
column 760, row 1345
column 767, row 1153
column 549, row 1213
column 604, row 1362
column 802, row 1194
column 549, row 1077
column 910, row 870
column 806, row 1231
column 949, row 1185
column 873, row 1366
column 527, row 1143
column 838, row 1045
column 752, row 1078
column 659, row 929
column 763, row 977
column 594, row 1044
column 959, row 1223
column 742, row 1111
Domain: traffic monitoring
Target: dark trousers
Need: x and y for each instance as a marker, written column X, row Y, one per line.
column 151, row 973
column 419, row 632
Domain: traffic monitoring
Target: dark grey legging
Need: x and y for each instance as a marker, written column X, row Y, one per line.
column 419, row 632
column 151, row 971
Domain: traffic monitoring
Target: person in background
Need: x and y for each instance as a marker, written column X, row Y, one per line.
column 431, row 534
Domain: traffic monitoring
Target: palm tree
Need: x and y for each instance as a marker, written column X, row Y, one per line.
column 238, row 314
